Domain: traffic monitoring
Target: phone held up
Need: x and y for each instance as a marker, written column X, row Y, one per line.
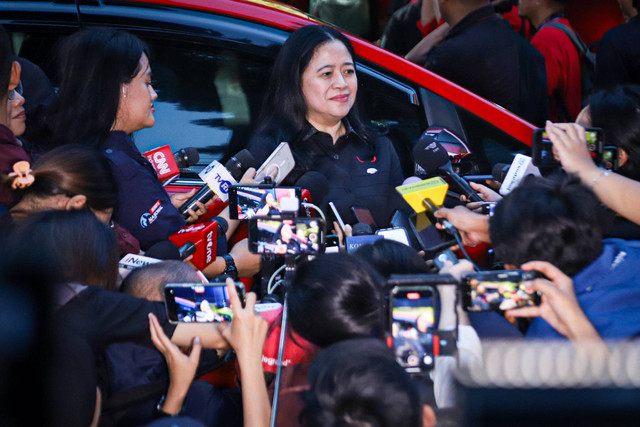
column 542, row 148
column 499, row 290
column 199, row 303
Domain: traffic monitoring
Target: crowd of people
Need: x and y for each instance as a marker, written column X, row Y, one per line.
column 98, row 344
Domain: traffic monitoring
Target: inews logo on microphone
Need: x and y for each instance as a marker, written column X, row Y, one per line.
column 149, row 218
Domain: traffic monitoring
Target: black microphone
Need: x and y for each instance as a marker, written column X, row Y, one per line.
column 316, row 184
column 186, row 157
column 187, row 249
column 164, row 249
column 433, row 158
column 237, row 165
column 361, row 229
column 221, row 241
column 499, row 171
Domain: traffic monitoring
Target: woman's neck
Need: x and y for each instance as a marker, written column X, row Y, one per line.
column 335, row 130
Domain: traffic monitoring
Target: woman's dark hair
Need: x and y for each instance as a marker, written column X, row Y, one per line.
column 336, row 297
column 617, row 112
column 554, row 219
column 94, row 63
column 390, row 257
column 358, row 382
column 84, row 250
column 74, row 169
column 283, row 114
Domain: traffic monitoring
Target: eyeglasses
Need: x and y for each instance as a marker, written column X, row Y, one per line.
column 18, row 89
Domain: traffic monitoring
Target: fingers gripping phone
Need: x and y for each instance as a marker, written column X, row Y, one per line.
column 499, row 290
column 246, row 201
column 199, row 303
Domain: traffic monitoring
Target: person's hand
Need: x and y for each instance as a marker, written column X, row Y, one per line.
column 247, row 177
column 247, row 330
column 182, row 367
column 559, row 305
column 342, row 235
column 485, row 193
column 570, row 145
column 473, row 227
column 246, row 262
column 179, row 199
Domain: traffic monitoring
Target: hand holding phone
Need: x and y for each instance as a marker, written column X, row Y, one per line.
column 282, row 236
column 542, row 147
column 278, row 165
column 199, row 303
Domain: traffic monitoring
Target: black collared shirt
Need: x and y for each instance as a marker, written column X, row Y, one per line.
column 484, row 55
column 357, row 177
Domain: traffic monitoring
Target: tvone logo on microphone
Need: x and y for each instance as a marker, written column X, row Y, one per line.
column 209, row 247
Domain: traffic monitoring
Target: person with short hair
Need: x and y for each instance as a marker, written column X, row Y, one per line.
column 558, row 220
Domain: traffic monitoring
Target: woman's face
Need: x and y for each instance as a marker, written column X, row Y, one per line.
column 135, row 110
column 18, row 117
column 329, row 84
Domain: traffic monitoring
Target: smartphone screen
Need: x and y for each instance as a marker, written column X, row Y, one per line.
column 498, row 290
column 278, row 164
column 412, row 327
column 542, row 148
column 364, row 215
column 262, row 200
column 198, row 303
column 609, row 158
column 430, row 238
column 270, row 236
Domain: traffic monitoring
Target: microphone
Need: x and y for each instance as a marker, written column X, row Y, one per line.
column 314, row 187
column 521, row 167
column 361, row 229
column 186, row 157
column 433, row 189
column 218, row 178
column 164, row 249
column 433, row 158
column 411, row 180
column 204, row 238
column 164, row 163
column 499, row 171
column 361, row 234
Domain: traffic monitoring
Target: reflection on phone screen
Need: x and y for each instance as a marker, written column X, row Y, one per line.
column 288, row 236
column 412, row 325
column 199, row 304
column 499, row 295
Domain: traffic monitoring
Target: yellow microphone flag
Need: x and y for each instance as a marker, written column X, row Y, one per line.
column 434, row 189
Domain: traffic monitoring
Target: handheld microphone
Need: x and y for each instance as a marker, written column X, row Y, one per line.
column 218, row 178
column 433, row 158
column 204, row 238
column 521, row 167
column 315, row 188
column 414, row 194
column 186, row 157
column 499, row 171
column 164, row 163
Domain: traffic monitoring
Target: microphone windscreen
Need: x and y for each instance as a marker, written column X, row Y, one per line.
column 361, row 229
column 430, row 155
column 222, row 223
column 237, row 165
column 164, row 249
column 186, row 157
column 499, row 171
column 411, row 180
column 316, row 183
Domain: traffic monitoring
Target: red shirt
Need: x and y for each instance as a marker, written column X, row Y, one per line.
column 563, row 68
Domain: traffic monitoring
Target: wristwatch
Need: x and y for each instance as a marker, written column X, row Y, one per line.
column 230, row 267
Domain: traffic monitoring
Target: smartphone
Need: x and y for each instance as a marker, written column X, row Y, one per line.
column 412, row 326
column 246, row 201
column 444, row 256
column 609, row 158
column 364, row 215
column 280, row 163
column 498, row 290
column 337, row 216
column 199, row 303
column 398, row 234
column 430, row 238
column 542, row 152
column 282, row 236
